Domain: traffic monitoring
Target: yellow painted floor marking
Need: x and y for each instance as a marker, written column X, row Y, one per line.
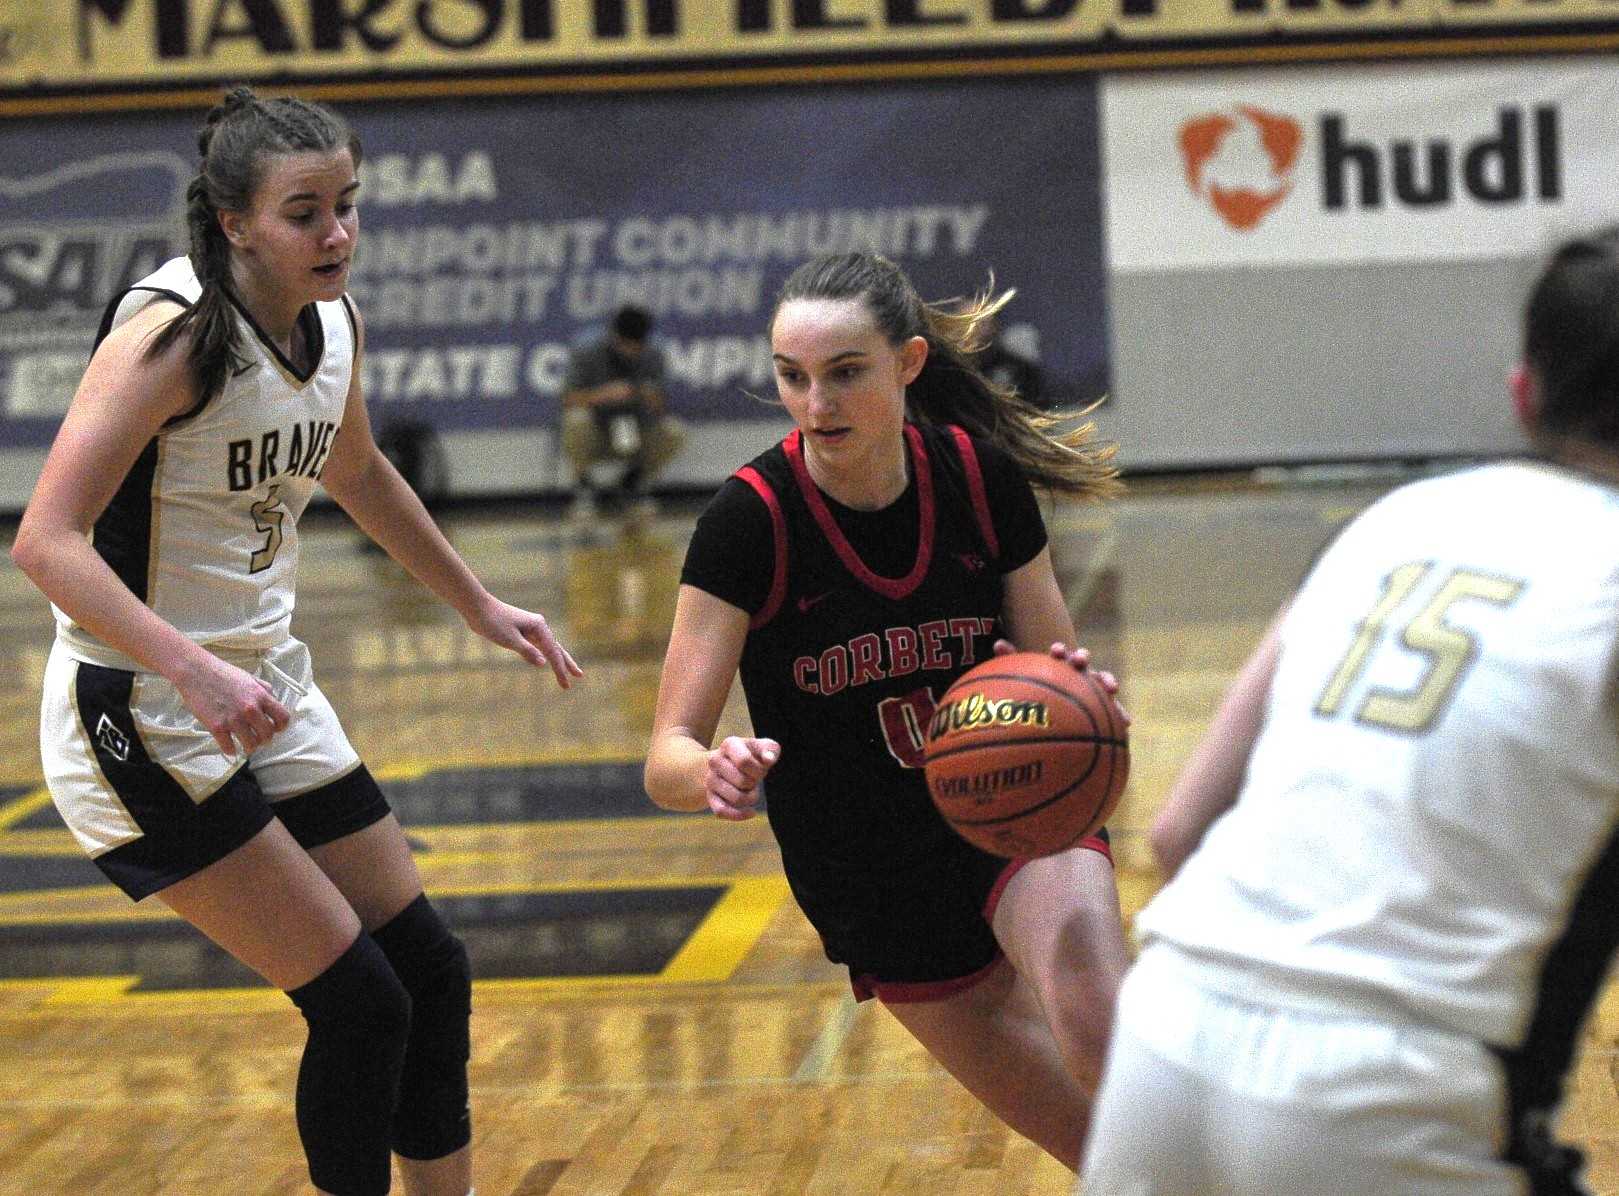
column 729, row 931
column 91, row 990
column 123, row 911
column 411, row 770
column 720, row 942
column 19, row 808
column 41, row 841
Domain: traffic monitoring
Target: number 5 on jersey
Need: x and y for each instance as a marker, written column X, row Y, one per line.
column 268, row 514
column 1447, row 651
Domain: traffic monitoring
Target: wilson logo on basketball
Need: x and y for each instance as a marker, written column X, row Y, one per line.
column 1241, row 162
column 975, row 712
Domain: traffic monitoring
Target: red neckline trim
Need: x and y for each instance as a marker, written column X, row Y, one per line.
column 889, row 587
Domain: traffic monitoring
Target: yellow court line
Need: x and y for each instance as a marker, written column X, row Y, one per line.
column 128, row 911
column 411, row 769
column 59, row 841
column 43, row 842
column 629, row 823
column 729, row 931
column 98, row 994
column 640, row 884
column 721, row 941
column 153, row 911
column 438, row 862
column 1338, row 514
column 19, row 808
column 432, row 861
column 712, row 953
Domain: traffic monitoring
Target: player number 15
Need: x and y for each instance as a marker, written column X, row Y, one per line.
column 1447, row 651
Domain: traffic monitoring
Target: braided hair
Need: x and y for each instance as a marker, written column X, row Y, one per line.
column 239, row 133
column 952, row 389
column 1571, row 339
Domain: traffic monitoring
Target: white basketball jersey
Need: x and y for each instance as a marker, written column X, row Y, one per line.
column 1428, row 820
column 204, row 527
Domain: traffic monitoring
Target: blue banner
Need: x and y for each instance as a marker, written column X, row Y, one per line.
column 496, row 234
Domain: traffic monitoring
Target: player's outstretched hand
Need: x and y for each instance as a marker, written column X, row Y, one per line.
column 235, row 706
column 735, row 769
column 1079, row 658
column 526, row 633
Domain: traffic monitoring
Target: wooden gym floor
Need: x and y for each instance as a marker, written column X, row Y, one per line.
column 653, row 1015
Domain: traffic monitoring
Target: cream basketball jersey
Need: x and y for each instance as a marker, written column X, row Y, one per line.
column 204, row 527
column 1428, row 819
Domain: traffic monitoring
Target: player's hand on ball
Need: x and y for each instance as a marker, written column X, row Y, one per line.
column 735, row 769
column 1080, row 659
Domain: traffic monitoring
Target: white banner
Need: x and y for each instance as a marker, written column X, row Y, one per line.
column 1379, row 164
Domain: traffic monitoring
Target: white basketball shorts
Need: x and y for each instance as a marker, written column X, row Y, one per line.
column 1206, row 1094
column 149, row 795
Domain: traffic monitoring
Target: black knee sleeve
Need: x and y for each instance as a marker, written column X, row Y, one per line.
column 432, row 1118
column 348, row 1084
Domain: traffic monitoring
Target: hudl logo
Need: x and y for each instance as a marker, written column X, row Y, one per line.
column 1520, row 156
column 1242, row 163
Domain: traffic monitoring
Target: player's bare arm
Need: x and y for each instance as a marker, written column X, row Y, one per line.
column 1212, row 778
column 366, row 485
column 1035, row 618
column 682, row 771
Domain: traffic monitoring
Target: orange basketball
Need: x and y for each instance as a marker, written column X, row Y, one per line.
column 1026, row 755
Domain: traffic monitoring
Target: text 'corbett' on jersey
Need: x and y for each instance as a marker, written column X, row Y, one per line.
column 909, row 649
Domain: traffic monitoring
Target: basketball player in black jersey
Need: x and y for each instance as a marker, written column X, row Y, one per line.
column 851, row 573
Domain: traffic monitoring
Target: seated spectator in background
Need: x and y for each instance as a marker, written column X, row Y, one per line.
column 612, row 411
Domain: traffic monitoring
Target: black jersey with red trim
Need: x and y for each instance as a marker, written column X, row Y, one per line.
column 843, row 664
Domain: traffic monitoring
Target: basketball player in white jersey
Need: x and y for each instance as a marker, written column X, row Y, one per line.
column 184, row 739
column 1394, row 858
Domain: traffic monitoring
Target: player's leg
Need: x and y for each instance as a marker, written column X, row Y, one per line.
column 332, row 806
column 1058, row 921
column 993, row 1038
column 357, row 1011
column 432, row 1125
column 161, row 810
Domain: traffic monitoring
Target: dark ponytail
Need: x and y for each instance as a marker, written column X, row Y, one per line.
column 951, row 389
column 238, row 134
column 1571, row 339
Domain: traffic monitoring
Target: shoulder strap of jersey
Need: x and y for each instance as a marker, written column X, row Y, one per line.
column 778, row 527
column 975, row 487
column 112, row 316
column 173, row 281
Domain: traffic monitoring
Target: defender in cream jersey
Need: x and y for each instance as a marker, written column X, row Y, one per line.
column 184, row 739
column 1395, row 856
